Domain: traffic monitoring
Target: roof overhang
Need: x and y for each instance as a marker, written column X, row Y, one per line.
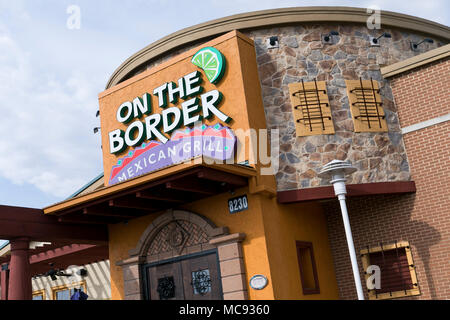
column 157, row 191
column 416, row 62
column 353, row 190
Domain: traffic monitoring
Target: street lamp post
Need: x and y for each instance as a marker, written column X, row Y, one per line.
column 336, row 171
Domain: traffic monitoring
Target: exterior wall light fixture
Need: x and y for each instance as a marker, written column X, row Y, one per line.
column 273, row 42
column 82, row 273
column 415, row 46
column 375, row 42
column 335, row 171
column 96, row 129
column 328, row 38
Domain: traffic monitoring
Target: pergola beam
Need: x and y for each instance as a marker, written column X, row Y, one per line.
column 157, row 196
column 86, row 220
column 139, row 204
column 16, row 222
column 191, row 186
column 106, row 212
column 221, row 176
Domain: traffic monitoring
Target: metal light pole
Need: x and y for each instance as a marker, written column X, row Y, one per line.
column 336, row 170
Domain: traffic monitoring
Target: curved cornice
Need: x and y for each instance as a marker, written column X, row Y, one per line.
column 269, row 18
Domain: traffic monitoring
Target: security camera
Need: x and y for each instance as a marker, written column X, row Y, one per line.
column 328, row 38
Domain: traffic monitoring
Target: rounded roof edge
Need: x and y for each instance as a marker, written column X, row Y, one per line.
column 271, row 17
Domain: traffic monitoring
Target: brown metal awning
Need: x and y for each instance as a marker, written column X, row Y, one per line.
column 151, row 193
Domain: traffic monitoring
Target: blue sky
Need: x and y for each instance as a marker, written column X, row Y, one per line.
column 50, row 77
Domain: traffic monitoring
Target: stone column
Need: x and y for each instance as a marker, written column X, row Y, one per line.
column 232, row 268
column 4, row 278
column 132, row 285
column 19, row 275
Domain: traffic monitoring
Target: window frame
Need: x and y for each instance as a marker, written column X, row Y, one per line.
column 68, row 287
column 307, row 245
column 39, row 293
column 365, row 257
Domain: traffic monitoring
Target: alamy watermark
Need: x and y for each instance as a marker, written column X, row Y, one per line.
column 252, row 147
column 374, row 21
column 374, row 280
column 74, row 19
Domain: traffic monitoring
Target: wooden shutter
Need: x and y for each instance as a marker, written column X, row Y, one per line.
column 366, row 106
column 311, row 108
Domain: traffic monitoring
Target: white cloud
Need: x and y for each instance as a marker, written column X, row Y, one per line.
column 45, row 138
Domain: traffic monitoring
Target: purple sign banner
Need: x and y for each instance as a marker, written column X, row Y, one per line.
column 216, row 142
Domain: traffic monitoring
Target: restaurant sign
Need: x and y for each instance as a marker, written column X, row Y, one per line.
column 148, row 135
column 216, row 142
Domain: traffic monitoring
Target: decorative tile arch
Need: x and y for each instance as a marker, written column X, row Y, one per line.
column 202, row 224
column 177, row 233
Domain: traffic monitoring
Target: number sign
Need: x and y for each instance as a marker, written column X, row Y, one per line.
column 238, row 204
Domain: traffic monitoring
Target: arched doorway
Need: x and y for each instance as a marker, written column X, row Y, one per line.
column 180, row 256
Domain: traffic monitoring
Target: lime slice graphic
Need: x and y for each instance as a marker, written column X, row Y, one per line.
column 212, row 62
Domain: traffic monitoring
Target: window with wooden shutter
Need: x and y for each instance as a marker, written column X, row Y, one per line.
column 397, row 270
column 366, row 106
column 311, row 108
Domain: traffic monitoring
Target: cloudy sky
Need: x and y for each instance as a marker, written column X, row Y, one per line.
column 50, row 76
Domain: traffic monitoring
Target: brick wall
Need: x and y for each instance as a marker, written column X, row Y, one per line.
column 423, row 218
column 422, row 93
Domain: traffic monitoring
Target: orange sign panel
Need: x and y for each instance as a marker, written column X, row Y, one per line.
column 195, row 101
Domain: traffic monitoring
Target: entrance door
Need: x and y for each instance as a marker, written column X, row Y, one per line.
column 195, row 278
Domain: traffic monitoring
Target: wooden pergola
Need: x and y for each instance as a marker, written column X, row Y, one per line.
column 70, row 244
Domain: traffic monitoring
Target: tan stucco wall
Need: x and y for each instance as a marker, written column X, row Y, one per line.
column 269, row 247
column 125, row 237
column 283, row 226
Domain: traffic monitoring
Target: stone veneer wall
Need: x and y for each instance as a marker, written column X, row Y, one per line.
column 379, row 157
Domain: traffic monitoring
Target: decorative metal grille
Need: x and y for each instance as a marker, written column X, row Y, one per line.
column 201, row 282
column 311, row 106
column 166, row 288
column 368, row 104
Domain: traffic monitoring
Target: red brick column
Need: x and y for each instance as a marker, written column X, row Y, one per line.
column 19, row 274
